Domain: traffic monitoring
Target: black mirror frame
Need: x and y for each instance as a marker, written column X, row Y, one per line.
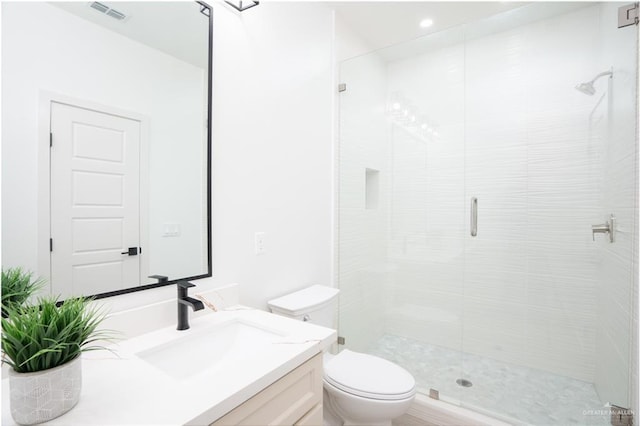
column 207, row 11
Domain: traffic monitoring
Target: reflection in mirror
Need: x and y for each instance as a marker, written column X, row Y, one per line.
column 106, row 143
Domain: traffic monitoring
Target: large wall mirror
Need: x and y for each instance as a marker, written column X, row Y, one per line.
column 106, row 143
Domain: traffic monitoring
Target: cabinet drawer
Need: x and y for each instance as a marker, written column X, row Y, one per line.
column 312, row 418
column 283, row 402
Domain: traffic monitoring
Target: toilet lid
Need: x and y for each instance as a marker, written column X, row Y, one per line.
column 369, row 376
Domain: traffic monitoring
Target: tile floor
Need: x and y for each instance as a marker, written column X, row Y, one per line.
column 524, row 395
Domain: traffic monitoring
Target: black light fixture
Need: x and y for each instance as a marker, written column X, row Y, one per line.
column 241, row 6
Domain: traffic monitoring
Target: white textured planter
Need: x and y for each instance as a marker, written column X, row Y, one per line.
column 44, row 395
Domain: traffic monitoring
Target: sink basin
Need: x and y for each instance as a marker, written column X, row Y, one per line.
column 209, row 348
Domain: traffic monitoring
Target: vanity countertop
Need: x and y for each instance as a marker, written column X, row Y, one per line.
column 124, row 389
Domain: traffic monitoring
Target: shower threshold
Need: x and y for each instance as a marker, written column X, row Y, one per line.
column 521, row 395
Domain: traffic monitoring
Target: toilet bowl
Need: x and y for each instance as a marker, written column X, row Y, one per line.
column 359, row 389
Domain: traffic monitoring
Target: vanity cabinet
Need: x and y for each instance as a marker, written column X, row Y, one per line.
column 295, row 399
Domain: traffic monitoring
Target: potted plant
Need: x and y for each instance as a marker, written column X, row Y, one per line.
column 42, row 344
column 18, row 285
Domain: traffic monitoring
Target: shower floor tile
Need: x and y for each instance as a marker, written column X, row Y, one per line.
column 525, row 395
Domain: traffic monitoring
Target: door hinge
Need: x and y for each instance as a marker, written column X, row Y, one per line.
column 621, row 416
column 628, row 15
column 50, row 139
column 342, row 87
column 50, row 244
column 341, row 340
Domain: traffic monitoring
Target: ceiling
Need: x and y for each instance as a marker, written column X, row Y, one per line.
column 177, row 27
column 173, row 27
column 384, row 23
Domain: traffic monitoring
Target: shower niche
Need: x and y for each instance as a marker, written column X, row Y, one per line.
column 372, row 188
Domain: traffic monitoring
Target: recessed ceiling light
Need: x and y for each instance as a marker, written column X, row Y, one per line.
column 426, row 23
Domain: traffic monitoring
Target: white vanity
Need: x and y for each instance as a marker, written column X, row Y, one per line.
column 236, row 366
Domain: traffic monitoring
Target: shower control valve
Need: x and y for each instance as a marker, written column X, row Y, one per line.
column 605, row 228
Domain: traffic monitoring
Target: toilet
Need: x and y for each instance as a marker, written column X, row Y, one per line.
column 359, row 389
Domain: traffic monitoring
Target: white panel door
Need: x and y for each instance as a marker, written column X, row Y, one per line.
column 95, row 192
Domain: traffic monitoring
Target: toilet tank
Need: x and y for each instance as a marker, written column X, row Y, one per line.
column 317, row 304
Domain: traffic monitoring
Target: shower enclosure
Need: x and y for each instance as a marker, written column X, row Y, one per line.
column 471, row 175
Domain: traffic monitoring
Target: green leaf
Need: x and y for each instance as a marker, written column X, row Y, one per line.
column 18, row 285
column 45, row 336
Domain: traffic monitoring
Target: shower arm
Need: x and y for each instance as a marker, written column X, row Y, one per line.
column 602, row 74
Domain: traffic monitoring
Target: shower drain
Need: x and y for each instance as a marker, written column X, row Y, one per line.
column 464, row 383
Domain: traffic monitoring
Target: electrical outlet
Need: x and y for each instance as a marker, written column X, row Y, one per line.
column 259, row 243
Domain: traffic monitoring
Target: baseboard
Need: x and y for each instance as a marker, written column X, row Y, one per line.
column 435, row 412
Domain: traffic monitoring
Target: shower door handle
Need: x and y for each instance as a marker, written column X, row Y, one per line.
column 474, row 216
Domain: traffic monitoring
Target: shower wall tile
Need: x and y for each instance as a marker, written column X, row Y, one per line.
column 441, row 274
column 561, row 293
column 494, row 328
column 496, row 285
column 437, row 90
column 612, row 384
column 495, row 77
column 551, row 335
column 426, row 315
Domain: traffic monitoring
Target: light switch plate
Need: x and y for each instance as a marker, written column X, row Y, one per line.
column 259, row 243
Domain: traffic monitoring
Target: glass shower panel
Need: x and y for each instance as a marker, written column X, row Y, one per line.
column 363, row 271
column 401, row 258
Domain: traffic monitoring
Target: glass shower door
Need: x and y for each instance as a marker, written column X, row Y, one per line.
column 542, row 321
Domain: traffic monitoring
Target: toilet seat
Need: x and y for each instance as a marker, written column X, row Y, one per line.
column 368, row 376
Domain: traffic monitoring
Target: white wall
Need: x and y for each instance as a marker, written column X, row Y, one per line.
column 272, row 147
column 41, row 50
column 348, row 44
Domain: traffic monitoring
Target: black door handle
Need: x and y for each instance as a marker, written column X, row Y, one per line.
column 133, row 251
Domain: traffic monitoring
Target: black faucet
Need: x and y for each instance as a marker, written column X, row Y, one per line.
column 184, row 301
column 161, row 278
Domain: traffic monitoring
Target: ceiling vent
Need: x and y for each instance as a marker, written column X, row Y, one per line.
column 115, row 14
column 99, row 7
column 103, row 8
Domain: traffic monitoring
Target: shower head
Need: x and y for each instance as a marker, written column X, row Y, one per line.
column 587, row 88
